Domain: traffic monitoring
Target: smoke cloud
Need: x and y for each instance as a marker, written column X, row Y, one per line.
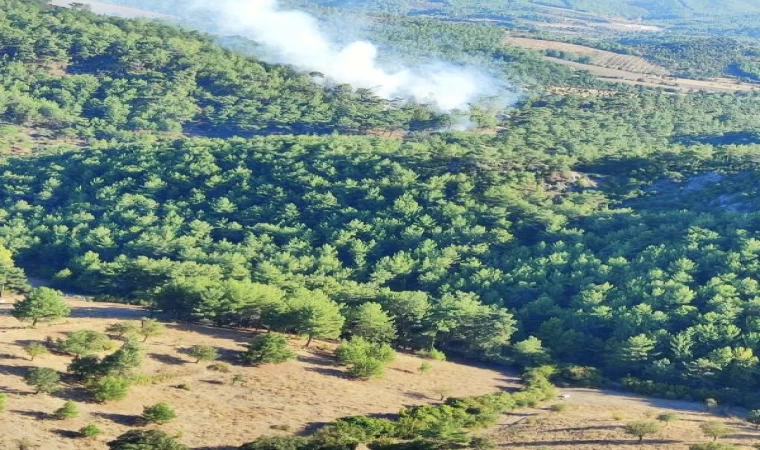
column 295, row 38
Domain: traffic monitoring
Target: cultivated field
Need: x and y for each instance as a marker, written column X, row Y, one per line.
column 212, row 414
column 588, row 424
column 602, row 58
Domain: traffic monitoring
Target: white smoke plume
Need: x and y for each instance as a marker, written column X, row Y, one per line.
column 295, row 38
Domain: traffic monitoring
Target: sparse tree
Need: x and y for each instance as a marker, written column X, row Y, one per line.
column 36, row 349
column 714, row 429
column 159, row 413
column 270, row 348
column 43, row 379
column 203, row 353
column 151, row 328
column 41, row 305
column 313, row 314
column 642, row 428
column 69, row 410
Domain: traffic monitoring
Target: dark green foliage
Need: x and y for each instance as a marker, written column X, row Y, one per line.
column 270, row 348
column 86, row 368
column 277, row 443
column 41, row 304
column 12, row 278
column 123, row 360
column 145, row 440
column 370, row 322
column 159, row 413
column 43, row 380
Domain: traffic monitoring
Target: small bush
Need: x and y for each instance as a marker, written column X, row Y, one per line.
column 433, row 354
column 86, row 368
column 367, row 369
column 203, row 353
column 219, row 367
column 617, row 416
column 277, row 443
column 43, row 379
column 364, row 359
column 109, row 388
column 89, row 431
column 642, row 428
column 238, row 379
column 159, row 413
column 270, row 348
column 67, row 411
column 667, row 418
column 184, row 387
column 84, row 343
column 36, row 349
column 145, row 439
column 122, row 329
column 3, row 400
column 714, row 429
column 151, row 328
column 424, row 368
column 559, row 407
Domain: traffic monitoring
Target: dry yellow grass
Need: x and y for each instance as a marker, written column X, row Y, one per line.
column 589, row 424
column 213, row 413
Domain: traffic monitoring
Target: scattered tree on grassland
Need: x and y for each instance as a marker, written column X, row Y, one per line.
column 41, row 305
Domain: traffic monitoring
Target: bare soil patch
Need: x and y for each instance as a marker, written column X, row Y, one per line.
column 299, row 394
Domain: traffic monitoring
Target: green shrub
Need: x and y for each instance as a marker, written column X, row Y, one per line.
column 36, row 349
column 67, row 411
column 642, row 428
column 364, row 359
column 150, row 328
column 203, row 353
column 109, row 388
column 424, row 368
column 433, row 354
column 43, row 379
column 559, row 407
column 270, row 348
column 89, row 431
column 278, row 443
column 667, row 418
column 159, row 413
column 714, row 429
column 122, row 329
column 84, row 343
column 582, row 376
column 3, row 401
column 86, row 368
column 145, row 440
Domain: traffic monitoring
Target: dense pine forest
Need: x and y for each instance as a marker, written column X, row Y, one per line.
column 611, row 230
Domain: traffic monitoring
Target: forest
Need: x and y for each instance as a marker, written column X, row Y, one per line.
column 616, row 236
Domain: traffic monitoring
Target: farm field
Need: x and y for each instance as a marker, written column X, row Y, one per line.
column 294, row 396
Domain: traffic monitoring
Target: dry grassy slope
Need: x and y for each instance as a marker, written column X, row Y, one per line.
column 299, row 394
column 588, row 424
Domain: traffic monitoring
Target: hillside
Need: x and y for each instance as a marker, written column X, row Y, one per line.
column 321, row 238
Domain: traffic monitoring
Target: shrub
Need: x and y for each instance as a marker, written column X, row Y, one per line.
column 219, row 367
column 433, row 354
column 84, row 343
column 89, row 431
column 3, row 400
column 43, row 379
column 667, row 418
column 145, row 439
column 122, row 329
column 559, row 407
column 364, row 359
column 277, row 443
column 581, row 376
column 203, row 353
column 159, row 413
column 618, row 416
column 270, row 348
column 67, row 411
column 36, row 349
column 123, row 360
column 86, row 368
column 642, row 428
column 238, row 378
column 151, row 328
column 714, row 429
column 109, row 388
column 424, row 368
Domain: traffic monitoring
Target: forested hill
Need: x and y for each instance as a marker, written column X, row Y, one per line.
column 90, row 76
column 614, row 228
